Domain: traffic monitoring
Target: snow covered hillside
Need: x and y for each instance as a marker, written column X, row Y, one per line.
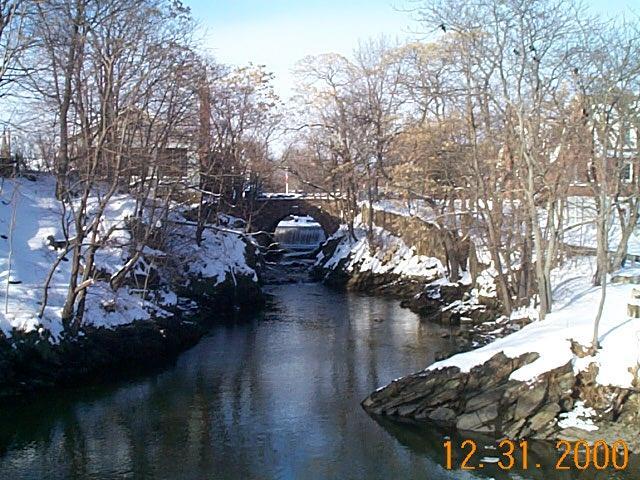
column 576, row 302
column 30, row 216
column 574, row 306
column 538, row 382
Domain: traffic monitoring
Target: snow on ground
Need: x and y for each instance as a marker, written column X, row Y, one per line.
column 37, row 216
column 221, row 253
column 574, row 310
column 389, row 255
column 26, row 258
column 580, row 417
column 581, row 213
column 576, row 303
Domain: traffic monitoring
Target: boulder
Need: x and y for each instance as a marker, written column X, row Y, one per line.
column 482, row 420
column 443, row 415
column 543, row 417
column 484, row 399
column 530, row 400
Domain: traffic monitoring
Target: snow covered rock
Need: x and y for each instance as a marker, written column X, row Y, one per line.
column 606, row 382
column 383, row 264
column 485, row 399
column 220, row 272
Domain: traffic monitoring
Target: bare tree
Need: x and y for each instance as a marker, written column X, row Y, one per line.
column 514, row 63
column 120, row 72
column 15, row 40
column 607, row 86
column 239, row 113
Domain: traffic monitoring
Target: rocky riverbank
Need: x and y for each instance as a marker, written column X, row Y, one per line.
column 30, row 361
column 386, row 265
column 541, row 381
column 156, row 282
column 542, row 389
column 487, row 400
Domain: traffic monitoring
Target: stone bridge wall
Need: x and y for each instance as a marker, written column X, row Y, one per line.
column 427, row 238
column 270, row 212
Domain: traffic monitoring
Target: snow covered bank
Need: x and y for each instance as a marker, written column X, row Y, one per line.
column 384, row 254
column 536, row 382
column 386, row 264
column 150, row 310
column 572, row 319
column 31, row 217
column 222, row 255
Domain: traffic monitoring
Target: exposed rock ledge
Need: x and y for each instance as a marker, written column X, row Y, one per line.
column 486, row 400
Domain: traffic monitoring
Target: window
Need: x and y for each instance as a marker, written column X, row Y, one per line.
column 628, row 139
column 626, row 173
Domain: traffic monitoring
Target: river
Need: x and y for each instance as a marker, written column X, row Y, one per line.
column 275, row 396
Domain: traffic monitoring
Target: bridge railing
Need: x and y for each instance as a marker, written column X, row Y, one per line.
column 298, row 196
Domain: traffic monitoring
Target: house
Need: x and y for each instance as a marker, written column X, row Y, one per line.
column 610, row 131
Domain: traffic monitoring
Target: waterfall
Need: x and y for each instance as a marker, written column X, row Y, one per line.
column 299, row 233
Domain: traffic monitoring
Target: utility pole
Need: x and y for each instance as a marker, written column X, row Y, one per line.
column 286, row 180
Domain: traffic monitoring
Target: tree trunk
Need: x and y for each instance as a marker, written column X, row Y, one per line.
column 69, row 68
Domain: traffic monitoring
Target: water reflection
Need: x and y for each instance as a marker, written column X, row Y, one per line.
column 276, row 397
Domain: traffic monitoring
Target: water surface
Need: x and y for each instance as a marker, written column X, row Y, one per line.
column 273, row 397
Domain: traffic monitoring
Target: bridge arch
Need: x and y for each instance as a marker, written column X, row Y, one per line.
column 271, row 211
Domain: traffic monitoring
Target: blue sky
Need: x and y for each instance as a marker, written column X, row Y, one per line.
column 280, row 32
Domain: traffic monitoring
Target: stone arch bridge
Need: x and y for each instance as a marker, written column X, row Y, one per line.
column 271, row 208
